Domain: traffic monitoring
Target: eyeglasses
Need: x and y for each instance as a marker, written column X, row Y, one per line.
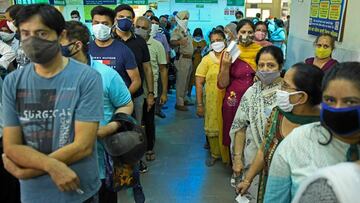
column 285, row 86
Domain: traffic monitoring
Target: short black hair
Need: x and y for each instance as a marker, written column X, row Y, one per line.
column 149, row 11
column 163, row 16
column 276, row 52
column 155, row 18
column 279, row 22
column 261, row 23
column 49, row 15
column 103, row 11
column 349, row 71
column 78, row 31
column 308, row 78
column 217, row 32
column 14, row 10
column 239, row 13
column 258, row 15
column 75, row 12
column 125, row 7
column 198, row 32
column 244, row 22
column 220, row 27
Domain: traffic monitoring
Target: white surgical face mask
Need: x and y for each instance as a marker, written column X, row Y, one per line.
column 218, row 46
column 11, row 26
column 182, row 23
column 6, row 36
column 154, row 29
column 101, row 32
column 76, row 19
column 283, row 100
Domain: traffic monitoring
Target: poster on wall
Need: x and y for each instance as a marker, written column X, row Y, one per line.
column 134, row 2
column 26, row 2
column 197, row 1
column 99, row 2
column 88, row 8
column 235, row 2
column 57, row 2
column 327, row 16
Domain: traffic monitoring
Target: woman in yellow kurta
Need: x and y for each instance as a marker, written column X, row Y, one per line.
column 206, row 74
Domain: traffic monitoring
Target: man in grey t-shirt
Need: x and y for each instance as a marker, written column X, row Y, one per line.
column 53, row 107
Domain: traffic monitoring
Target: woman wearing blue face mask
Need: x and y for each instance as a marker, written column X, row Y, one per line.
column 255, row 108
column 298, row 101
column 311, row 147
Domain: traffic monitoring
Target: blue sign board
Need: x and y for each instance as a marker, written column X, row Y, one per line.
column 99, row 2
column 327, row 16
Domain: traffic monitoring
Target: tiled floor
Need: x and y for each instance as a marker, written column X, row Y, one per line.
column 179, row 173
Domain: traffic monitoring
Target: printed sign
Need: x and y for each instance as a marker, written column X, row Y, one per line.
column 327, row 16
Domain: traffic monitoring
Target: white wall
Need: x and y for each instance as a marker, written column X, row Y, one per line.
column 300, row 44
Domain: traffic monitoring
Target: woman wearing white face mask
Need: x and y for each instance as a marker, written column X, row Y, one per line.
column 297, row 103
column 206, row 73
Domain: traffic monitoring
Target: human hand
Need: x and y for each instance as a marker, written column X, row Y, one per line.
column 63, row 176
column 163, row 99
column 227, row 60
column 200, row 111
column 150, row 101
column 183, row 41
column 243, row 187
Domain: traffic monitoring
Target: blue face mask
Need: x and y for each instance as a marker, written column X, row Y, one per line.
column 342, row 121
column 66, row 51
column 124, row 24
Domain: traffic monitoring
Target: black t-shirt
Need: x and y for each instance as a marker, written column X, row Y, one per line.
column 139, row 47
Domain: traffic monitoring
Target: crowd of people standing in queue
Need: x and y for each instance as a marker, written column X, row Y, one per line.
column 275, row 128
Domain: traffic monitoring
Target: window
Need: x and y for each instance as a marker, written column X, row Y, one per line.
column 265, row 14
column 251, row 12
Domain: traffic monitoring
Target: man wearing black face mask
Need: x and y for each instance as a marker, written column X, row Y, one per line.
column 52, row 109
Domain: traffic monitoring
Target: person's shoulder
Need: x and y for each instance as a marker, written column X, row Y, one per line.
column 156, row 42
column 103, row 69
column 139, row 39
column 308, row 132
column 25, row 70
column 81, row 69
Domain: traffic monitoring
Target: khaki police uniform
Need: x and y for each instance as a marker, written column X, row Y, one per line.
column 183, row 64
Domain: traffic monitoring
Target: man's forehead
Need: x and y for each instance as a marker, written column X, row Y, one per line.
column 33, row 23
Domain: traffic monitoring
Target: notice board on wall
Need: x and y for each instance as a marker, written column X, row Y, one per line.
column 197, row 1
column 327, row 16
column 235, row 2
column 134, row 2
column 99, row 2
column 25, row 2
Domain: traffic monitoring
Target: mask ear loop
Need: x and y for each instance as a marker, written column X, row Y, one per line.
column 294, row 93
